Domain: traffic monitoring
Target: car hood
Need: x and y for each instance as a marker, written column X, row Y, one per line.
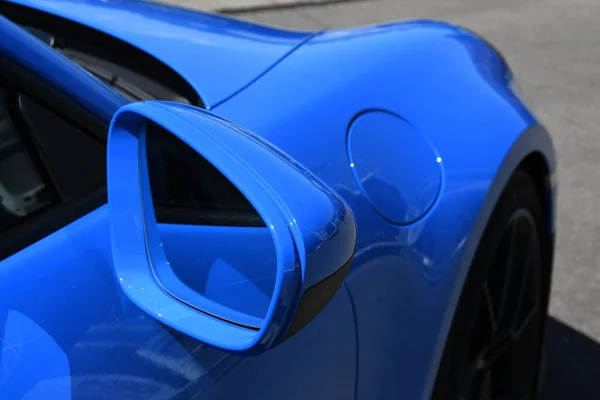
column 217, row 55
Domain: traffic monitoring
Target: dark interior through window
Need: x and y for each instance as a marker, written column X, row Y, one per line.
column 131, row 71
column 44, row 160
column 23, row 190
column 187, row 189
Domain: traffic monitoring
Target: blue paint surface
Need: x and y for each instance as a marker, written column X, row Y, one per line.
column 403, row 181
column 383, row 333
column 232, row 266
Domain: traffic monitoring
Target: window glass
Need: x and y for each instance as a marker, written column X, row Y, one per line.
column 23, row 191
column 44, row 160
column 75, row 161
column 132, row 85
column 130, row 71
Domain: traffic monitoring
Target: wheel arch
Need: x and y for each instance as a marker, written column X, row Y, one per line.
column 533, row 151
column 537, row 166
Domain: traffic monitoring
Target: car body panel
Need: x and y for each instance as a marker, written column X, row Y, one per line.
column 403, row 285
column 68, row 332
column 455, row 90
column 216, row 55
column 398, row 197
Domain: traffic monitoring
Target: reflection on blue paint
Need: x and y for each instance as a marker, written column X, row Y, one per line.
column 32, row 365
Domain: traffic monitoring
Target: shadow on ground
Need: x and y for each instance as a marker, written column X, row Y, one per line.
column 572, row 364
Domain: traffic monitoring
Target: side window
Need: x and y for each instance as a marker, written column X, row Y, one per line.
column 74, row 160
column 23, row 191
column 44, row 160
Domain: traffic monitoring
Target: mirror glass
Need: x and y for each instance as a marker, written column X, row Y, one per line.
column 218, row 256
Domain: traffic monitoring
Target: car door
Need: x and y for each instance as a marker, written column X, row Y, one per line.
column 66, row 329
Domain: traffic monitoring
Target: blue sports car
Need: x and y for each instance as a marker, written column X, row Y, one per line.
column 198, row 207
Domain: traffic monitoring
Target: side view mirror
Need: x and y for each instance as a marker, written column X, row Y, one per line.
column 218, row 234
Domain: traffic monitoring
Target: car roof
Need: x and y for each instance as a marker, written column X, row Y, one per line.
column 217, row 55
column 34, row 55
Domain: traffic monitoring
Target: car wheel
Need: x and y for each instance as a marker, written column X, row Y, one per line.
column 495, row 343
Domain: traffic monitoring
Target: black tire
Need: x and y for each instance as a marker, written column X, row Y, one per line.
column 488, row 354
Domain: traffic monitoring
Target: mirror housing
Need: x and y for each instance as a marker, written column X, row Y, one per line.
column 313, row 230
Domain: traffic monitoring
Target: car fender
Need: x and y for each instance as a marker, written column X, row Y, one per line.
column 456, row 91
